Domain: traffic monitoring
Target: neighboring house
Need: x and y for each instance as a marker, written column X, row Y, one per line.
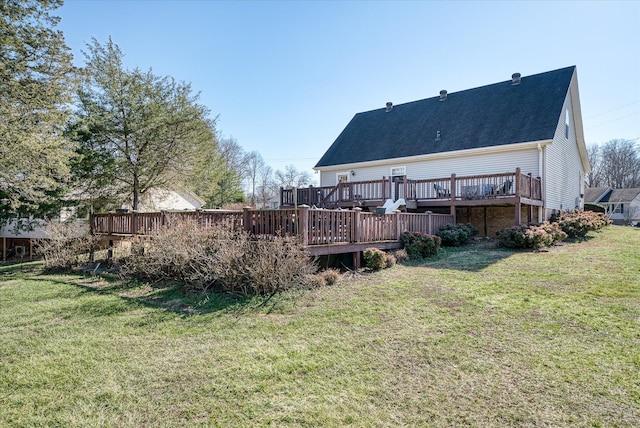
column 271, row 203
column 163, row 200
column 621, row 205
column 518, row 144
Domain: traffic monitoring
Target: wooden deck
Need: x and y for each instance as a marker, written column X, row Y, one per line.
column 321, row 231
column 511, row 188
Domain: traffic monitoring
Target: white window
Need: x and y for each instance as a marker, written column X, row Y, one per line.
column 398, row 170
column 342, row 177
column 619, row 209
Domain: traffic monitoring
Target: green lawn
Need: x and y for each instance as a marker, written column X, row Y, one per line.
column 479, row 336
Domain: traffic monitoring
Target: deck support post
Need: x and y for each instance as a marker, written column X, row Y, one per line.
column 246, row 219
column 452, row 195
column 356, row 260
column 518, row 213
column 110, row 223
column 486, row 229
column 452, row 187
column 384, row 188
column 356, row 229
column 4, row 249
column 303, row 224
column 133, row 225
column 429, row 222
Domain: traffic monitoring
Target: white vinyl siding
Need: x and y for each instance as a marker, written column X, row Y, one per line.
column 564, row 169
column 439, row 167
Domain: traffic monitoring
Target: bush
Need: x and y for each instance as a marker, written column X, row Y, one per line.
column 219, row 258
column 67, row 245
column 316, row 281
column 375, row 259
column 401, row 255
column 389, row 260
column 420, row 245
column 556, row 232
column 533, row 237
column 455, row 235
column 330, row 276
column 576, row 224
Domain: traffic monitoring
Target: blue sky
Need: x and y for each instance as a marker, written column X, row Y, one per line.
column 284, row 78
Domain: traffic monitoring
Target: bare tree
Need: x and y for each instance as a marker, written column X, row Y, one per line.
column 615, row 164
column 291, row 177
column 253, row 164
column 231, row 172
column 595, row 178
column 267, row 188
column 620, row 164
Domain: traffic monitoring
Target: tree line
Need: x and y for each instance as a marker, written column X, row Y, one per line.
column 102, row 135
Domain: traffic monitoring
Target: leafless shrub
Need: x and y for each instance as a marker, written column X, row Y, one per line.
column 390, row 260
column 330, row 276
column 67, row 245
column 316, row 281
column 401, row 255
column 219, row 258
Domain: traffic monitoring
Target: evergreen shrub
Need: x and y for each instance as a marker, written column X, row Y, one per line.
column 420, row 245
column 375, row 259
column 456, row 235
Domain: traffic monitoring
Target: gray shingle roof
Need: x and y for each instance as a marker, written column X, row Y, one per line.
column 624, row 195
column 487, row 116
column 595, row 194
column 607, row 194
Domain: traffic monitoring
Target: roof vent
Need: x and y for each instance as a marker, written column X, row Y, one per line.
column 443, row 95
column 515, row 79
column 389, row 106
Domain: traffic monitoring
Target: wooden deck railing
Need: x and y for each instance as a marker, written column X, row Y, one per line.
column 312, row 226
column 453, row 189
column 333, row 196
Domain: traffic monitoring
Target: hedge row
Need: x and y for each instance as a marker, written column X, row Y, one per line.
column 570, row 224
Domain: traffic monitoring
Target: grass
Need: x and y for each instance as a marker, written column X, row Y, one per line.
column 478, row 336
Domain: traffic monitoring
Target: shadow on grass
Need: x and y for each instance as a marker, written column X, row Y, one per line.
column 472, row 257
column 168, row 297
column 16, row 267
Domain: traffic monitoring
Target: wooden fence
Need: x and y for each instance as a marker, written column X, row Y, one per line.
column 312, row 226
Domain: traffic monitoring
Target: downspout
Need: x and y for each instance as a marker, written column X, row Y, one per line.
column 542, row 214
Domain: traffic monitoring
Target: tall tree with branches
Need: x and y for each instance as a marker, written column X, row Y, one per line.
column 616, row 164
column 292, row 177
column 36, row 80
column 150, row 130
column 254, row 163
